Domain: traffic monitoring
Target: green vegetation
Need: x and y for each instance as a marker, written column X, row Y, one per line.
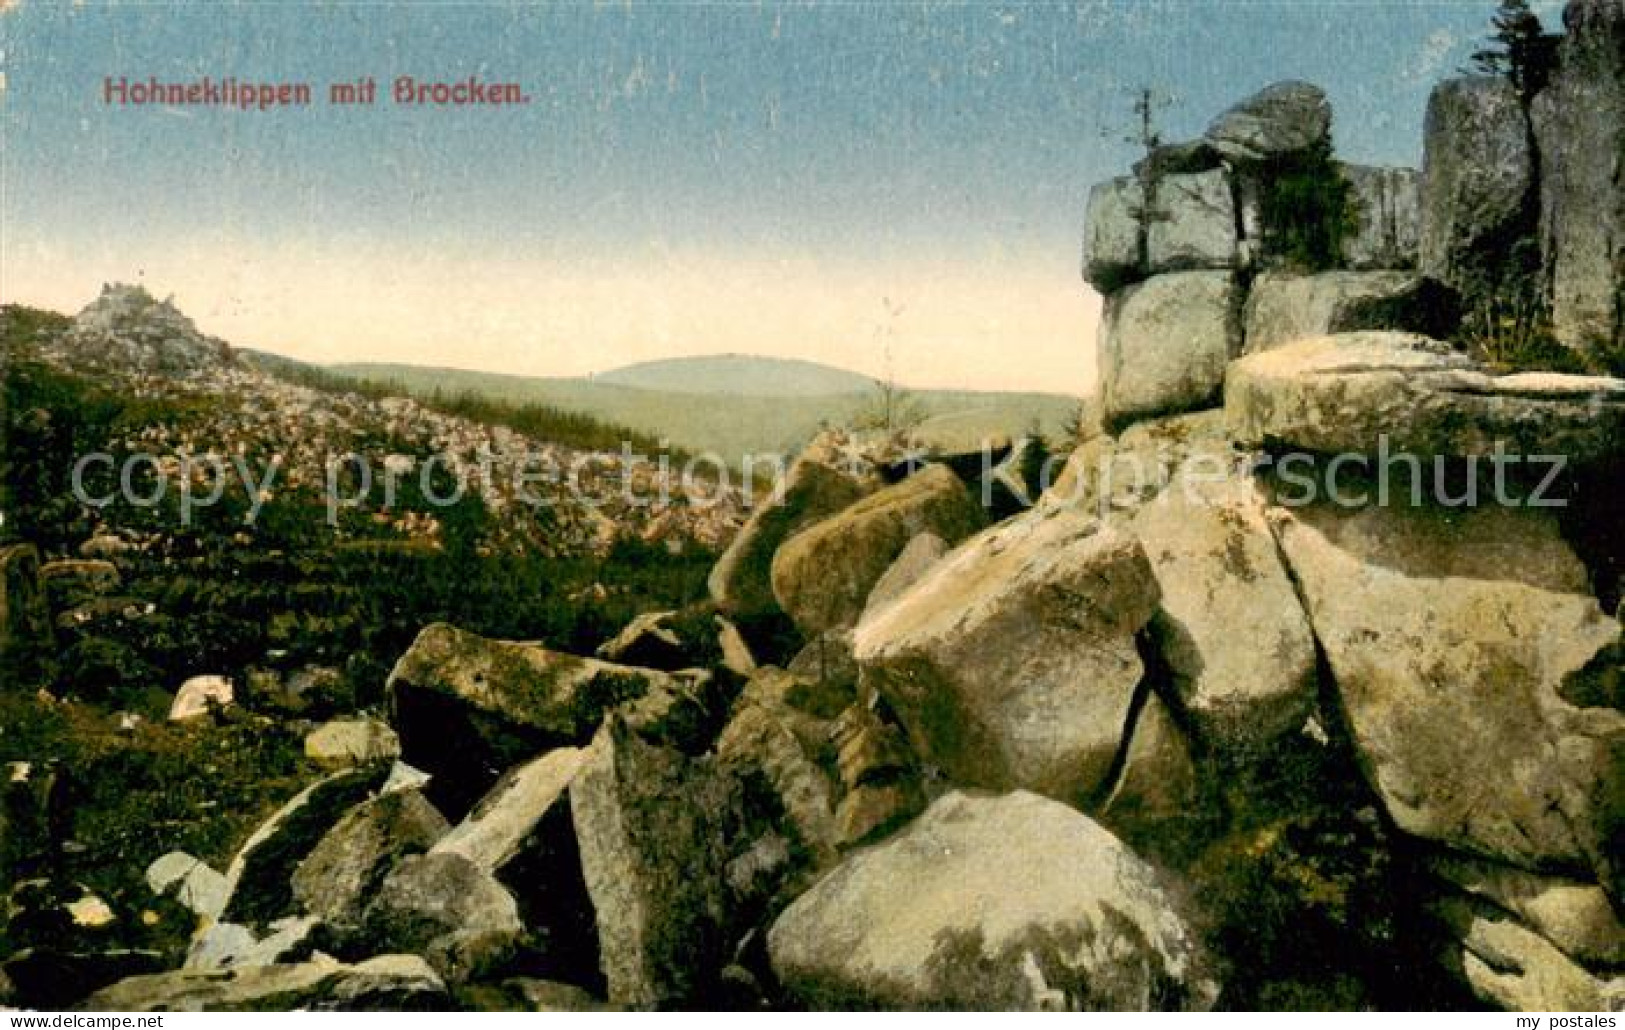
column 1519, row 50
column 1309, row 209
column 266, row 605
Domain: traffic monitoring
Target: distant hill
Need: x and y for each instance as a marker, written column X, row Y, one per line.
column 738, row 375
column 778, row 423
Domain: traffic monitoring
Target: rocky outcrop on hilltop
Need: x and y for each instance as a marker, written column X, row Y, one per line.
column 545, row 497
column 126, row 329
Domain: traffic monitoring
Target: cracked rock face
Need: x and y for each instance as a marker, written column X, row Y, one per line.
column 1450, row 635
column 935, row 918
column 1013, row 662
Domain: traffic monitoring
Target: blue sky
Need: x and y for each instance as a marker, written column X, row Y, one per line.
column 870, row 184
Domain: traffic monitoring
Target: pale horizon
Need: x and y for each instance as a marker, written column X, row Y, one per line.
column 537, row 318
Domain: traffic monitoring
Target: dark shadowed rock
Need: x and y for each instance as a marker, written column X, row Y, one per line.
column 758, row 743
column 468, row 708
column 1013, row 902
column 1284, row 309
column 648, row 641
column 523, row 834
column 653, row 827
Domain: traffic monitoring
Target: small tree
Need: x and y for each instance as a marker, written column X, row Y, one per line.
column 1519, row 49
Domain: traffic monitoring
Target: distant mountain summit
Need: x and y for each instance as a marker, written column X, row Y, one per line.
column 739, row 375
column 127, row 328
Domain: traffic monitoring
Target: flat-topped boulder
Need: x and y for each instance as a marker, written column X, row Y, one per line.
column 822, row 576
column 1012, row 663
column 1349, row 392
column 1012, row 902
column 467, row 707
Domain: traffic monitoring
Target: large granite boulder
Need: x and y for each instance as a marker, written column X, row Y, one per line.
column 1230, row 629
column 1579, row 124
column 654, row 828
column 1351, row 392
column 1284, row 309
column 1478, row 171
column 1387, row 232
column 1192, row 224
column 1508, row 965
column 822, row 576
column 1450, row 635
column 1278, row 121
column 1165, row 343
column 1114, row 234
column 1012, row 663
column 428, row 897
column 829, row 475
column 1012, row 902
column 334, row 882
column 467, row 708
